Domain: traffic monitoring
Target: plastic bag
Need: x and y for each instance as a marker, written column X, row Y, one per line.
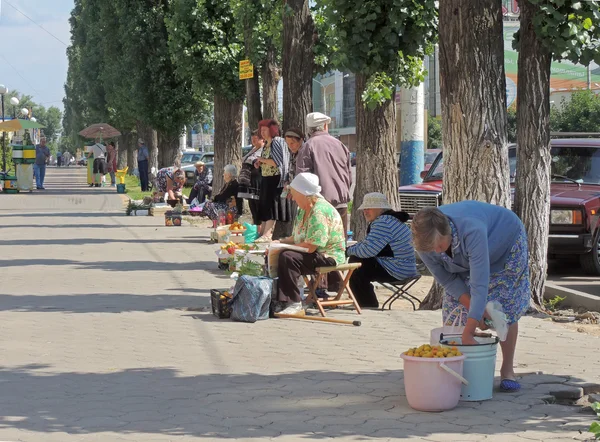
column 448, row 329
column 251, row 298
column 499, row 321
column 251, row 233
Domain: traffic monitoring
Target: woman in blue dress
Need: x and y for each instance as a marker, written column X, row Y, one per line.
column 478, row 253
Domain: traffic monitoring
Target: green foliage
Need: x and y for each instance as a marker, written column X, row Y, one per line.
column 569, row 29
column 580, row 114
column 260, row 24
column 511, row 114
column 385, row 40
column 552, row 304
column 434, row 133
column 595, row 426
column 206, row 47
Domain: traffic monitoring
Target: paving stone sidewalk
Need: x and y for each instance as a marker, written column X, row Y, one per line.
column 103, row 338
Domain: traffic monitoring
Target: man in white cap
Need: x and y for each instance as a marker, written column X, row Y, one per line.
column 387, row 253
column 329, row 159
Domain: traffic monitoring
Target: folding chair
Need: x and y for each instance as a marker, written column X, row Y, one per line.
column 399, row 290
column 312, row 281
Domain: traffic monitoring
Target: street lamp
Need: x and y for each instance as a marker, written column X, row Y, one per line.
column 3, row 92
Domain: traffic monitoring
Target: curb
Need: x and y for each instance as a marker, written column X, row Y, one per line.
column 574, row 298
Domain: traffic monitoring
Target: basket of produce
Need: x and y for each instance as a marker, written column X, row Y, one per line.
column 219, row 301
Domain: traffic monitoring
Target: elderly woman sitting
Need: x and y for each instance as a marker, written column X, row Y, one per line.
column 386, row 254
column 226, row 200
column 169, row 181
column 318, row 228
column 202, row 187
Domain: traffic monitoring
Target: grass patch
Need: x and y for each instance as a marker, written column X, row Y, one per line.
column 133, row 188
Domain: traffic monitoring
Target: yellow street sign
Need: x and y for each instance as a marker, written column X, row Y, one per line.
column 246, row 70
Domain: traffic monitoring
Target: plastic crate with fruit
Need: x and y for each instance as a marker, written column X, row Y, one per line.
column 219, row 301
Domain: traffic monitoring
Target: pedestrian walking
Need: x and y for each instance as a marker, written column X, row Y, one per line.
column 328, row 158
column 99, row 165
column 58, row 158
column 42, row 155
column 142, row 158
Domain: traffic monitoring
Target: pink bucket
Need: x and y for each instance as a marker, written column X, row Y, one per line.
column 433, row 384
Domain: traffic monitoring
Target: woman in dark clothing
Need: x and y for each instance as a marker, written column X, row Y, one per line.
column 226, row 200
column 274, row 167
column 251, row 192
column 203, row 185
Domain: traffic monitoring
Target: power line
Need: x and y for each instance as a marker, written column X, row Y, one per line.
column 35, row 23
column 20, row 75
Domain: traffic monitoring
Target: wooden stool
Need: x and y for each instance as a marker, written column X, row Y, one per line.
column 312, row 282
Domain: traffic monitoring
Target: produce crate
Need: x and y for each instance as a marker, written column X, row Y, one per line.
column 220, row 304
column 172, row 219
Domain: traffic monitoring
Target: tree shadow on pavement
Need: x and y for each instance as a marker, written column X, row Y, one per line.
column 115, row 266
column 104, row 302
column 309, row 405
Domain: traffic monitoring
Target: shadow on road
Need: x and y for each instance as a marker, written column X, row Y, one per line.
column 114, row 266
column 308, row 405
column 104, row 303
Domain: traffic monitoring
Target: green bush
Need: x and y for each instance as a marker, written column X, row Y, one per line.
column 580, row 114
column 434, row 133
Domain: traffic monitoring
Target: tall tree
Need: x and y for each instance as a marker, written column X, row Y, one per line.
column 473, row 96
column 206, row 47
column 549, row 29
column 298, row 59
column 383, row 42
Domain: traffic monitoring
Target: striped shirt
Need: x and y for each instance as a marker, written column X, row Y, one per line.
column 388, row 230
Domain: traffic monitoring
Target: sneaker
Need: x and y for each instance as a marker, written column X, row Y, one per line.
column 293, row 308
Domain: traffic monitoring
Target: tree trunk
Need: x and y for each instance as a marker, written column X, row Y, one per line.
column 132, row 153
column 434, row 298
column 532, row 196
column 228, row 137
column 298, row 59
column 270, row 81
column 150, row 137
column 169, row 152
column 123, row 146
column 253, row 102
column 377, row 169
column 473, row 96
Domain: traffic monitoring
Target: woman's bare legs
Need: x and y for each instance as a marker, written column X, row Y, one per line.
column 267, row 228
column 507, row 371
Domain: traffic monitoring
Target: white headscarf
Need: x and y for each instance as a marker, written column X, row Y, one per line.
column 307, row 184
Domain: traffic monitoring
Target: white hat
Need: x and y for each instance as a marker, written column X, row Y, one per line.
column 307, row 184
column 375, row 200
column 140, row 141
column 316, row 119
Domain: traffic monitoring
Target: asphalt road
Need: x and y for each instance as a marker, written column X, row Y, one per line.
column 568, row 273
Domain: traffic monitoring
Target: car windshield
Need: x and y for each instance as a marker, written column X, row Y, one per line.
column 189, row 158
column 576, row 163
column 438, row 173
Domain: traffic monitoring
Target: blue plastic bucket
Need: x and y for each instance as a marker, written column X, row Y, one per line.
column 479, row 366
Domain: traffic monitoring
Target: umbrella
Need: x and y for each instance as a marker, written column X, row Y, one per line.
column 17, row 125
column 100, row 130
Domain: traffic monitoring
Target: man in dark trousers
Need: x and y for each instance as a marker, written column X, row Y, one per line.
column 142, row 158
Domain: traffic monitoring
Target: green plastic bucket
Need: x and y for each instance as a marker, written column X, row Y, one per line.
column 120, row 188
column 479, row 366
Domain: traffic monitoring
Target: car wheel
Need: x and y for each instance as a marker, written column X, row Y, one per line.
column 590, row 262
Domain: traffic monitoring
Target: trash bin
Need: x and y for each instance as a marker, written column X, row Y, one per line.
column 25, row 177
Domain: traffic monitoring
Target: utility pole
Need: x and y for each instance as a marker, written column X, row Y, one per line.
column 412, row 145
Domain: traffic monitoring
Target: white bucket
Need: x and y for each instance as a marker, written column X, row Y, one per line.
column 479, row 367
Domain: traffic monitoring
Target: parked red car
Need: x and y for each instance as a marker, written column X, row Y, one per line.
column 574, row 204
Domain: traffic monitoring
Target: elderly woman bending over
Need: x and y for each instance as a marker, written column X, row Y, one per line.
column 318, row 228
column 226, row 200
column 386, row 254
column 170, row 181
column 478, row 253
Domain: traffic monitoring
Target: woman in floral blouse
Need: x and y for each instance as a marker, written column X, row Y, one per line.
column 318, row 228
